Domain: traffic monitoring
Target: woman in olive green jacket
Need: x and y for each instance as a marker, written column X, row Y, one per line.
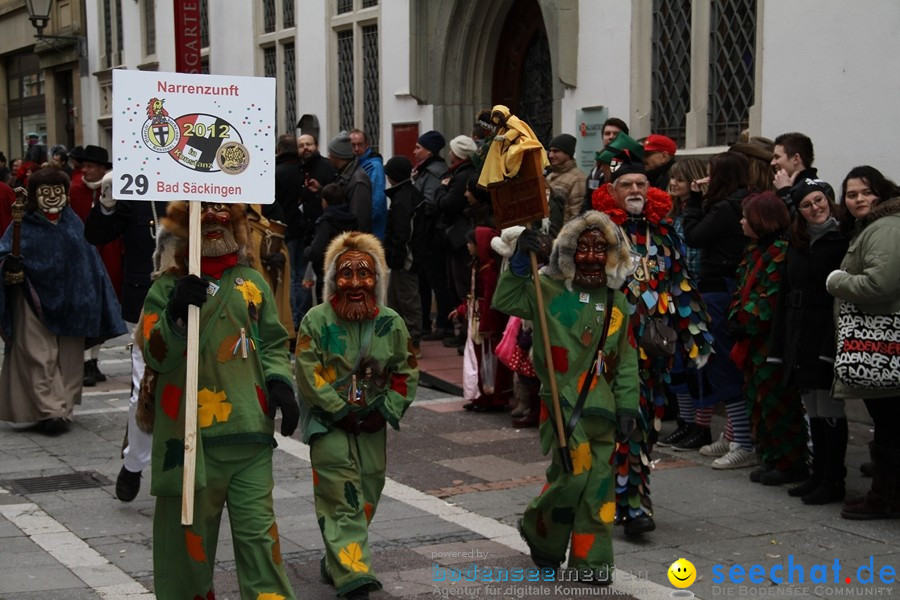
column 869, row 278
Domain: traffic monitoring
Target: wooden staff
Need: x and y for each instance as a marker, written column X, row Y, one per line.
column 564, row 456
column 18, row 212
column 190, row 383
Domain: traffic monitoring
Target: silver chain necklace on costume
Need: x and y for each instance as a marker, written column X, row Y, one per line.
column 155, row 222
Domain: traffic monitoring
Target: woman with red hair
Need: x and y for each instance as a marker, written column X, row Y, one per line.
column 775, row 411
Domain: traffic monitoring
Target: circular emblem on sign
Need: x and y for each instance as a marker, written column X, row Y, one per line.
column 233, row 158
column 160, row 134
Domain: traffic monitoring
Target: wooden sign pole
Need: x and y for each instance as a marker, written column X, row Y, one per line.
column 190, row 383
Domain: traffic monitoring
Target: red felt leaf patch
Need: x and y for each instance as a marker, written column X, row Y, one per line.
column 171, row 401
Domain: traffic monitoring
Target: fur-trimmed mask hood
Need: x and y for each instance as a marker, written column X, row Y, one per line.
column 364, row 242
column 619, row 263
column 171, row 254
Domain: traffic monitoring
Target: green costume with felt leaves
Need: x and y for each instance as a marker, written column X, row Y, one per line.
column 236, row 435
column 349, row 470
column 576, row 510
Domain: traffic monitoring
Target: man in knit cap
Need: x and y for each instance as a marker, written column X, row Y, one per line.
column 429, row 171
column 352, row 179
column 356, row 373
column 565, row 182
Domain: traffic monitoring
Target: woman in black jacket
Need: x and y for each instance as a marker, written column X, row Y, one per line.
column 803, row 335
column 713, row 224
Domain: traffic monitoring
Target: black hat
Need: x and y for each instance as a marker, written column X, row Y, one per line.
column 628, row 168
column 432, row 141
column 94, row 154
column 564, row 142
column 806, row 186
column 398, row 168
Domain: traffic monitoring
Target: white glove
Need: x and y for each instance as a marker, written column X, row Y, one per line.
column 831, row 276
column 106, row 196
column 700, row 360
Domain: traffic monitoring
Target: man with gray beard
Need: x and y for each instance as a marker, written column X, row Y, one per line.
column 243, row 376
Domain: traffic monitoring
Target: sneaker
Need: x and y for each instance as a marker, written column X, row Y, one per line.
column 737, row 458
column 699, row 437
column 720, row 447
column 683, row 430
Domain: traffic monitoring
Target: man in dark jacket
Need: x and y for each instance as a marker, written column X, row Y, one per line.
column 451, row 203
column 313, row 168
column 136, row 223
column 405, row 245
column 336, row 218
column 352, row 179
column 659, row 156
column 792, row 161
column 428, row 174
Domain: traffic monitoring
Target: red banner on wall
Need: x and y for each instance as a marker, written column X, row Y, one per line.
column 187, row 36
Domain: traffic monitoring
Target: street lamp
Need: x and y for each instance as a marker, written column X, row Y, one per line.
column 39, row 15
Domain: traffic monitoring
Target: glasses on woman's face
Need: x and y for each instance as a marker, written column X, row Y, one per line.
column 817, row 201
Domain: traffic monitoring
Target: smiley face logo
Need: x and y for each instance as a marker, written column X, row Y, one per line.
column 682, row 573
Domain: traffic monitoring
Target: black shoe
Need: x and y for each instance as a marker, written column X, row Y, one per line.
column 639, row 525
column 54, row 426
column 867, row 468
column 699, row 437
column 128, row 485
column 461, row 350
column 782, row 476
column 358, row 594
column 100, row 377
column 454, row 341
column 757, row 473
column 826, row 493
column 89, row 377
column 807, row 487
column 683, row 430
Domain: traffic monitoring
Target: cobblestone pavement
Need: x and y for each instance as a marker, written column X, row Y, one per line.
column 457, row 483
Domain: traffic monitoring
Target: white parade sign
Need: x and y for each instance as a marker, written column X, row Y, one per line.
column 193, row 137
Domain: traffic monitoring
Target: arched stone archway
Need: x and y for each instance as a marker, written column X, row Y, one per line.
column 454, row 48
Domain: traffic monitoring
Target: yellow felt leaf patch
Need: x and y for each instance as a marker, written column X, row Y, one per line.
column 212, row 406
column 615, row 320
column 351, row 557
column 324, row 375
column 581, row 458
column 250, row 292
column 270, row 596
column 608, row 512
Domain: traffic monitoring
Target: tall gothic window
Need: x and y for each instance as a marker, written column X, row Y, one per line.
column 732, row 50
column 357, row 66
column 276, row 41
column 149, row 27
column 671, row 68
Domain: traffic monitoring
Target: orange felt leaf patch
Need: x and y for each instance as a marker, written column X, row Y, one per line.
column 315, row 475
column 303, row 343
column 171, row 401
column 212, row 406
column 581, row 544
column 194, row 545
column 150, row 320
column 276, row 545
column 370, row 510
column 226, row 349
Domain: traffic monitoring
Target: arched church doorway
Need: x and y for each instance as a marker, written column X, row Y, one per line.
column 523, row 76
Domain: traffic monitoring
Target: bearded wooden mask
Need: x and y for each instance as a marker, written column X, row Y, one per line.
column 590, row 259
column 354, row 279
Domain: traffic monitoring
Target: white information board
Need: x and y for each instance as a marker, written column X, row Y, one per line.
column 180, row 136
